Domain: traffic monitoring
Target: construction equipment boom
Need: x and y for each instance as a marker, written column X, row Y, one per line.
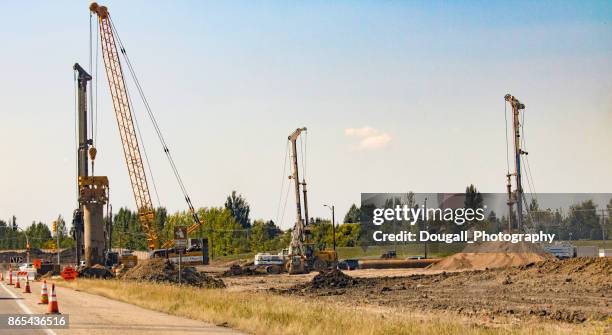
column 296, row 247
column 129, row 140
column 127, row 131
column 517, row 198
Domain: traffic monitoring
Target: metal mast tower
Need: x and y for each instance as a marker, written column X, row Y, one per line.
column 517, row 195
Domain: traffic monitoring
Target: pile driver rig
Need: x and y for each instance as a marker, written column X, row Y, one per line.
column 301, row 255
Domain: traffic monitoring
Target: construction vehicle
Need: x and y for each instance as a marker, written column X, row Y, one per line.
column 561, row 249
column 129, row 139
column 390, row 254
column 301, row 256
column 194, row 253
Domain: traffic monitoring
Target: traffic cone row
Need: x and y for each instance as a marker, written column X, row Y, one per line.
column 53, row 307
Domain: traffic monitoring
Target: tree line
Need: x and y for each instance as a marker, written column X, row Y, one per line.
column 229, row 229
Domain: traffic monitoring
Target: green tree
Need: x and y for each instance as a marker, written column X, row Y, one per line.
column 38, row 234
column 127, row 231
column 353, row 215
column 347, row 234
column 225, row 234
column 263, row 236
column 582, row 220
column 473, row 200
column 239, row 208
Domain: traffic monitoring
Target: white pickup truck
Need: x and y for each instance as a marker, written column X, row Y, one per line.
column 561, row 249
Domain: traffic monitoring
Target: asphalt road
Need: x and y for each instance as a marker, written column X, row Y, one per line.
column 91, row 315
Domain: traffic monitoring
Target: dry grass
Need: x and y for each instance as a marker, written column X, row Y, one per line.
column 262, row 313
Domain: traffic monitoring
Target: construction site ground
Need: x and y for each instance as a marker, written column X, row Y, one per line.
column 571, row 292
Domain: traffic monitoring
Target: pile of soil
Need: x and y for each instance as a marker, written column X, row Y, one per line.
column 97, row 271
column 332, row 279
column 491, row 255
column 594, row 271
column 164, row 271
column 497, row 247
column 237, row 270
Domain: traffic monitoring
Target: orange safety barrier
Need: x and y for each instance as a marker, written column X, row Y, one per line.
column 69, row 273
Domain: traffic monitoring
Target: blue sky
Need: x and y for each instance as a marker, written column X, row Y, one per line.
column 422, row 83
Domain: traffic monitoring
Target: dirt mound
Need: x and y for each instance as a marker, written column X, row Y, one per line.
column 585, row 269
column 97, row 271
column 237, row 270
column 332, row 279
column 501, row 247
column 164, row 271
column 489, row 260
column 489, row 255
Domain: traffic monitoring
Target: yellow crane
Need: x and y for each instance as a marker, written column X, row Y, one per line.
column 127, row 131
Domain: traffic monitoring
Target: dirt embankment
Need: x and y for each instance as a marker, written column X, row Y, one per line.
column 489, row 255
column 573, row 290
column 162, row 270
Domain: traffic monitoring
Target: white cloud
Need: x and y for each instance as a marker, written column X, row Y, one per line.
column 369, row 138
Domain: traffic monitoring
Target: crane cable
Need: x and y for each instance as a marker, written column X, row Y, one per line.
column 528, row 170
column 90, row 68
column 280, row 196
column 154, row 122
column 144, row 149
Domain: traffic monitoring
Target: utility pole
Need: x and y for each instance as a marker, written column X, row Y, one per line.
column 426, row 224
column 333, row 223
column 602, row 223
column 517, row 107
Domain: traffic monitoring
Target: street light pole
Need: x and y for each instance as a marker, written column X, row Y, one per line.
column 332, row 207
column 426, row 224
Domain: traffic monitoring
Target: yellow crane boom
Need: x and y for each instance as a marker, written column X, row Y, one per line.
column 123, row 113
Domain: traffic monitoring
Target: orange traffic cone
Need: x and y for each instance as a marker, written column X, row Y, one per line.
column 17, row 285
column 10, row 277
column 53, row 308
column 44, row 296
column 27, row 287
